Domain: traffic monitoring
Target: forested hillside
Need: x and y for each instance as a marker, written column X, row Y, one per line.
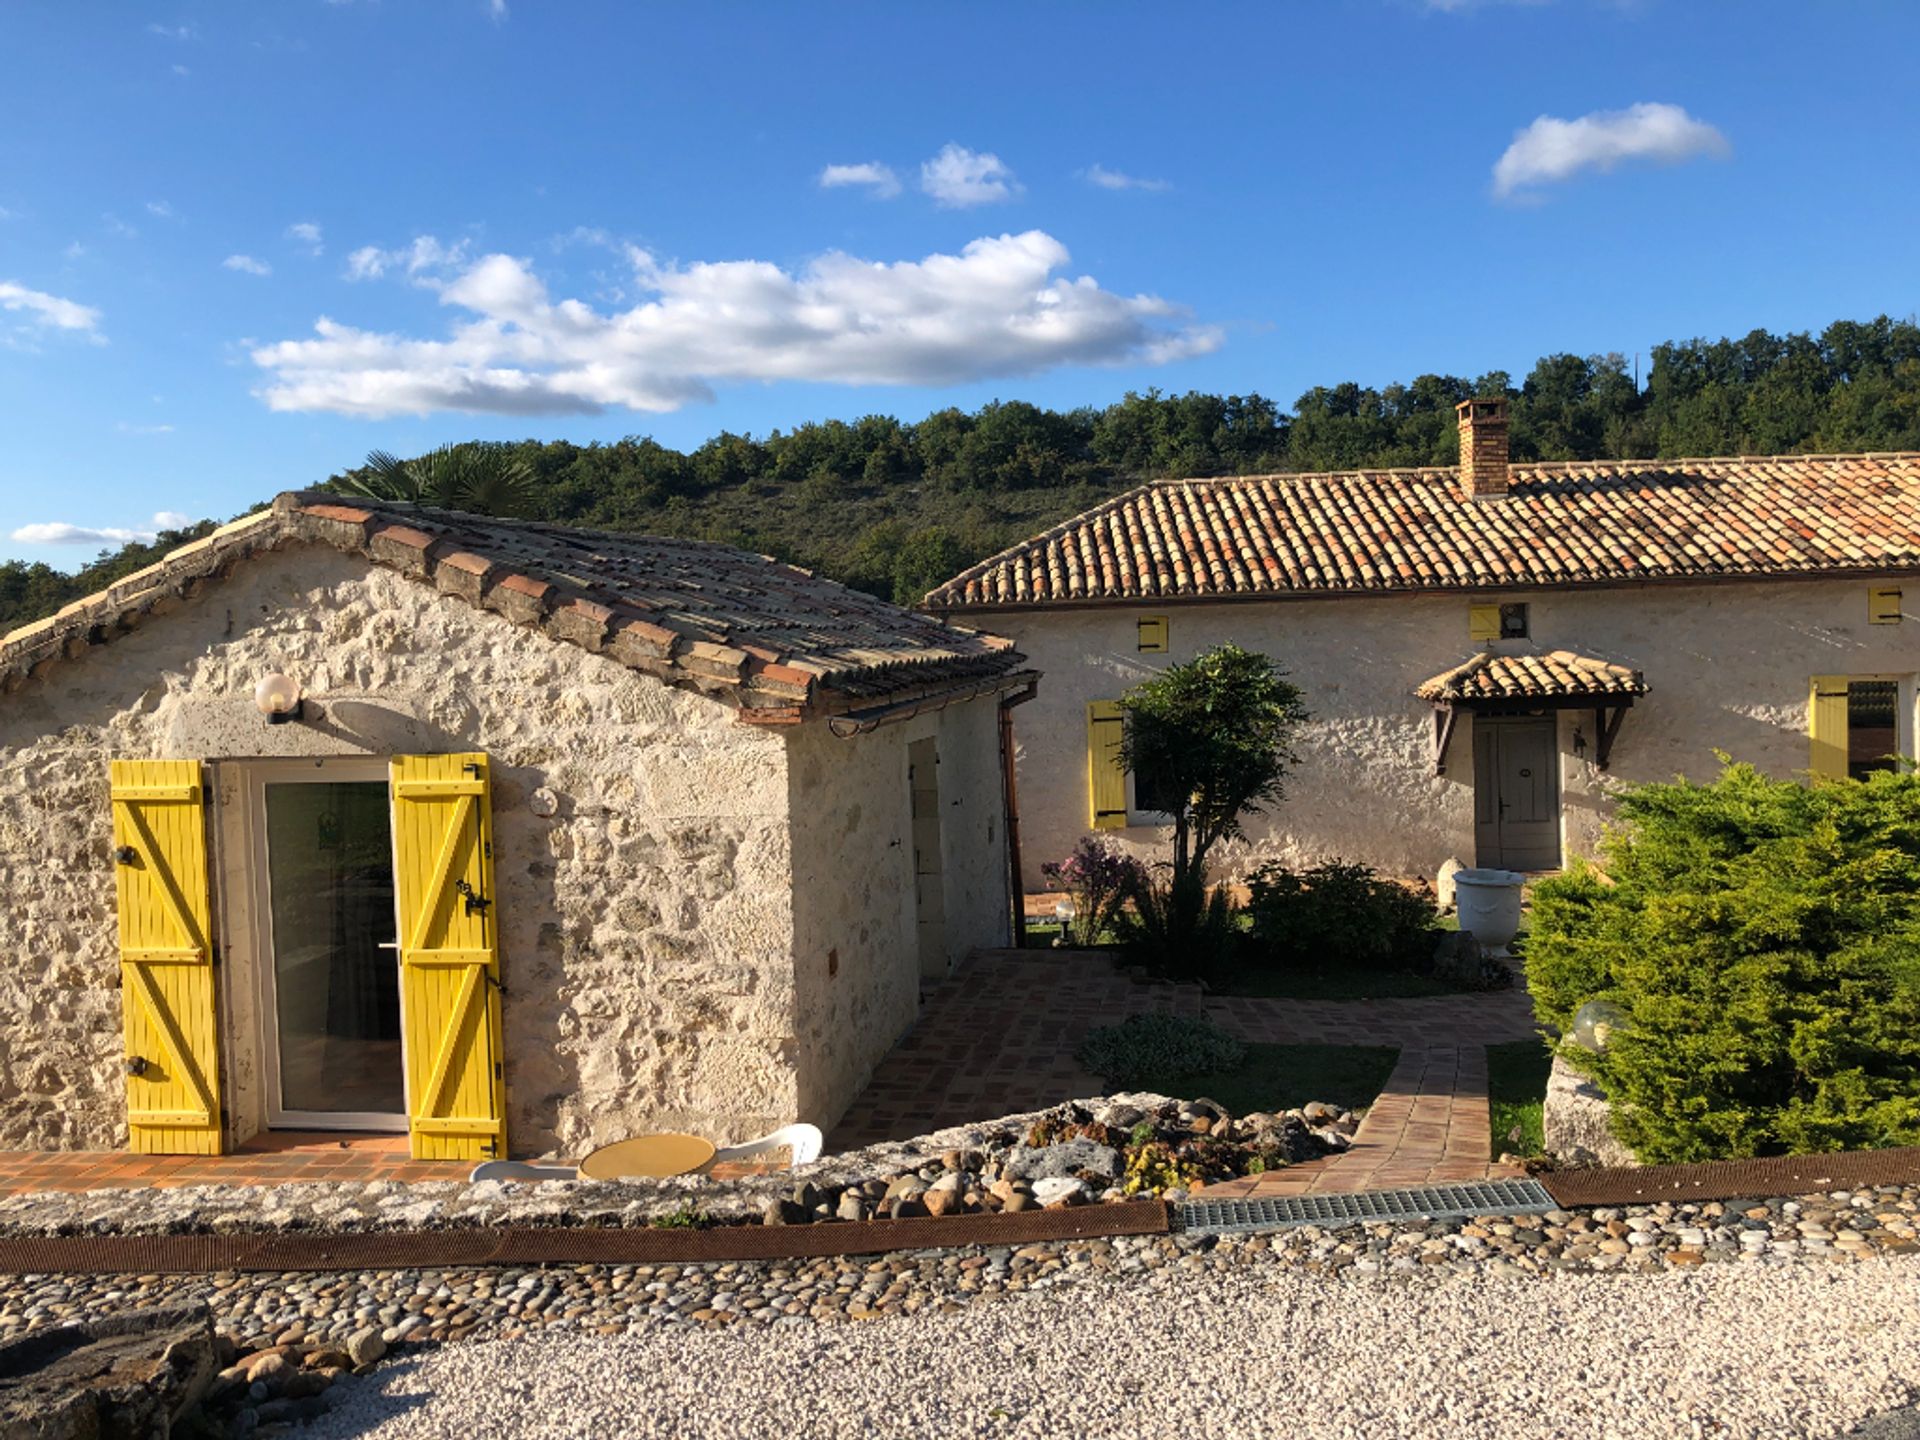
column 895, row 508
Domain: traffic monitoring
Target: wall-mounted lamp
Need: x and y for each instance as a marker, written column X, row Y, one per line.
column 277, row 697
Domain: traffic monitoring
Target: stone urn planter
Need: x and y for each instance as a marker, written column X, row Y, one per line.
column 1489, row 905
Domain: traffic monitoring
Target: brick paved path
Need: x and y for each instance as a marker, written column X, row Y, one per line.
column 998, row 1038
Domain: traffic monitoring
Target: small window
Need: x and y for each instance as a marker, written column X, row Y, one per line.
column 1872, row 726
column 1513, row 622
column 1153, row 635
column 1883, row 604
column 1151, row 794
column 1483, row 622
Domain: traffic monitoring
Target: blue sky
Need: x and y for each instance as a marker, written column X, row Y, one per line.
column 587, row 220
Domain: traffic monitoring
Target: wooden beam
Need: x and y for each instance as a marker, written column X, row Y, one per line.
column 1444, row 718
column 1606, row 724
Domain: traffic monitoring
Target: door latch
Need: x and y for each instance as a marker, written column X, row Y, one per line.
column 476, row 904
column 137, row 1065
column 126, row 855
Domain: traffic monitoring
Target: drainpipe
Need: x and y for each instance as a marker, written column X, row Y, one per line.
column 1016, row 888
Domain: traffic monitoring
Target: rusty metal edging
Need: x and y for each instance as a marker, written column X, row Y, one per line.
column 1727, row 1179
column 535, row 1245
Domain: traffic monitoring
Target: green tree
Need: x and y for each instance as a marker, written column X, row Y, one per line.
column 1214, row 735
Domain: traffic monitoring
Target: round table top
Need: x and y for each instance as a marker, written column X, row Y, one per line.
column 650, row 1157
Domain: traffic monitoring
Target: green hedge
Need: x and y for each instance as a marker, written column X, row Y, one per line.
column 1764, row 937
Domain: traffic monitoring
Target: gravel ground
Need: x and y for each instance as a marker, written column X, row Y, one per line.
column 1203, row 1351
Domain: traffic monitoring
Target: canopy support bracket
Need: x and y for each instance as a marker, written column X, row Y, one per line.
column 1445, row 716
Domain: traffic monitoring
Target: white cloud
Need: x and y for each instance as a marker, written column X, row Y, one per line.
column 996, row 309
column 246, row 265
column 497, row 10
column 162, row 209
column 116, row 226
column 958, row 177
column 307, row 233
column 181, row 70
column 61, row 532
column 1106, row 179
column 424, row 257
column 878, row 178
column 74, row 250
column 171, row 32
column 48, row 311
column 127, row 429
column 1551, row 149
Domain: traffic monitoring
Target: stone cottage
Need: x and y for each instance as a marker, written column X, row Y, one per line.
column 514, row 837
column 1489, row 652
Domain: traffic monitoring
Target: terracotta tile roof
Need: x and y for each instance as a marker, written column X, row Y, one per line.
column 1532, row 677
column 779, row 642
column 1382, row 531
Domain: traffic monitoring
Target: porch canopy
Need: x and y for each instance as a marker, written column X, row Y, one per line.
column 1557, row 680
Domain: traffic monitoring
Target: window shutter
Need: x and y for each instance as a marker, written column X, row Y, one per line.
column 1827, row 726
column 169, row 1012
column 1153, row 635
column 1106, row 776
column 449, row 957
column 1883, row 604
column 1483, row 622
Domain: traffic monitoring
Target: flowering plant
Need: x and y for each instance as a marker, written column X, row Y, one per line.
column 1100, row 878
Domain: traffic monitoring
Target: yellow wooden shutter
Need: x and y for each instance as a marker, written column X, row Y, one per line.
column 1106, row 775
column 449, row 957
column 1883, row 604
column 1153, row 635
column 169, row 1014
column 1483, row 622
column 1827, row 726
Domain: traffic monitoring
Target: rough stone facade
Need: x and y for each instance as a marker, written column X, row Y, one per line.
column 658, row 971
column 855, row 942
column 1729, row 666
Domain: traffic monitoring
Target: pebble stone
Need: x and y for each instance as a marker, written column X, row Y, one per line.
column 395, row 1309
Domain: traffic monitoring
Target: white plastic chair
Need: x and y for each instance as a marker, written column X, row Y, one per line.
column 805, row 1141
column 519, row 1170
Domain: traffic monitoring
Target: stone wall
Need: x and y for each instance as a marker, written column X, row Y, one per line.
column 647, row 931
column 855, row 941
column 1729, row 666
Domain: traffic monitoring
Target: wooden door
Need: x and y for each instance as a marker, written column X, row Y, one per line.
column 449, row 957
column 168, row 1006
column 1516, row 783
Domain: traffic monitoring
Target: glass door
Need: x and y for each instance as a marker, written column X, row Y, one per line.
column 330, row 968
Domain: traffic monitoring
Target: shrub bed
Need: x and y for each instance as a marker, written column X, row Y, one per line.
column 1763, row 938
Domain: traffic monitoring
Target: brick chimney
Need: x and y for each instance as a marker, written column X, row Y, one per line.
column 1483, row 446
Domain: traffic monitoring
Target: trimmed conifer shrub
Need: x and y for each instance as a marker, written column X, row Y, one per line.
column 1764, row 939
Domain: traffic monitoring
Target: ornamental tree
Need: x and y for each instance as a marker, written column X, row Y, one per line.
column 1212, row 738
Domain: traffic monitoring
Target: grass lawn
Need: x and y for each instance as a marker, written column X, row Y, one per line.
column 1336, row 985
column 1516, row 1086
column 1283, row 1077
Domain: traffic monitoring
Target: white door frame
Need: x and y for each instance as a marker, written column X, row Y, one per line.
column 256, row 775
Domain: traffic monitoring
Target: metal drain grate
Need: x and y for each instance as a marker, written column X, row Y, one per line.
column 1430, row 1202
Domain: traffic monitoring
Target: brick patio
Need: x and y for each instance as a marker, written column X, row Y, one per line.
column 998, row 1038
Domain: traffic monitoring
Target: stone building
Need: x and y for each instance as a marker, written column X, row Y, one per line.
column 1489, row 652
column 511, row 836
